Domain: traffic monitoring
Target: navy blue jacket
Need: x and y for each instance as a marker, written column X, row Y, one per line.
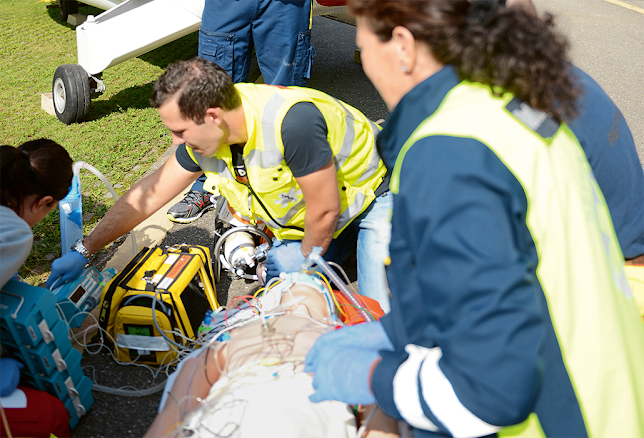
column 462, row 278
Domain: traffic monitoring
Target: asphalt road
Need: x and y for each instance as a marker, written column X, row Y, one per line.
column 607, row 40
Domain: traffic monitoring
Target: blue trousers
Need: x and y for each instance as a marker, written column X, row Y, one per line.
column 371, row 231
column 280, row 31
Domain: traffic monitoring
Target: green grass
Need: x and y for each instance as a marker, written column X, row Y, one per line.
column 123, row 135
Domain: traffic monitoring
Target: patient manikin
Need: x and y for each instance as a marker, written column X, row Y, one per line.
column 253, row 384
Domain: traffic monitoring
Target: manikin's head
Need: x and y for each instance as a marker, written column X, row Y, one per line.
column 303, row 292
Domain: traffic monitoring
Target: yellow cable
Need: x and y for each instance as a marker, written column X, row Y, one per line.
column 335, row 300
column 323, row 278
column 275, row 283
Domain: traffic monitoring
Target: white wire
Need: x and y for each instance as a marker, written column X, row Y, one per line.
column 203, row 340
column 120, row 391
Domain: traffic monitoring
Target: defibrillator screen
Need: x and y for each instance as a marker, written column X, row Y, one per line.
column 77, row 295
column 139, row 330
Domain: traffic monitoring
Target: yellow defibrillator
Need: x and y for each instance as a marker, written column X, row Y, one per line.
column 177, row 282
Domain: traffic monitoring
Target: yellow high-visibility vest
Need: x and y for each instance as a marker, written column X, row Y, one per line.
column 277, row 198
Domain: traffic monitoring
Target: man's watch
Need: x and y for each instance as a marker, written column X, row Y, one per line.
column 80, row 248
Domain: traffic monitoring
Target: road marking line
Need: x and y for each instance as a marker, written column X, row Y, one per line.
column 626, row 5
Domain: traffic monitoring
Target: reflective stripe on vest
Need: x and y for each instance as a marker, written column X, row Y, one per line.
column 235, row 192
column 599, row 331
column 347, row 144
column 270, row 156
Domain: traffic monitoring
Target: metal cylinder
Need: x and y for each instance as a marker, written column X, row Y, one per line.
column 239, row 249
column 219, row 258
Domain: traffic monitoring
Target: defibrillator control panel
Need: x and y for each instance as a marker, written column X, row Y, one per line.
column 78, row 297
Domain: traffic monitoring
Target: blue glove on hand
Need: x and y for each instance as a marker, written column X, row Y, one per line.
column 342, row 373
column 66, row 268
column 370, row 336
column 9, row 375
column 284, row 256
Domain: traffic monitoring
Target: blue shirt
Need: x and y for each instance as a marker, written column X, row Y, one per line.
column 608, row 143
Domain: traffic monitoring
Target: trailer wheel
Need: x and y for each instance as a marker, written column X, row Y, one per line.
column 71, row 93
column 67, row 7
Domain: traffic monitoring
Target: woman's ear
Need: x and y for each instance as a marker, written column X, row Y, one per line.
column 405, row 47
column 45, row 202
column 34, row 209
column 416, row 59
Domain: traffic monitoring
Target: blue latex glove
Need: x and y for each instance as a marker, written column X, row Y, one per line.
column 342, row 373
column 66, row 268
column 284, row 256
column 9, row 375
column 370, row 336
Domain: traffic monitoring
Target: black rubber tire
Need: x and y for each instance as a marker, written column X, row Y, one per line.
column 71, row 93
column 67, row 7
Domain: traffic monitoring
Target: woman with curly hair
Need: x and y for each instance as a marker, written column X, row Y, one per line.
column 510, row 311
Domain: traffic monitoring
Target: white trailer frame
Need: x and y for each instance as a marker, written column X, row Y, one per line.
column 126, row 30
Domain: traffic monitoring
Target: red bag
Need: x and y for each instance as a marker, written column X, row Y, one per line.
column 45, row 414
column 332, row 2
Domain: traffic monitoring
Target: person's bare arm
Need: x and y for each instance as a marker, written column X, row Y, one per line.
column 322, row 199
column 140, row 202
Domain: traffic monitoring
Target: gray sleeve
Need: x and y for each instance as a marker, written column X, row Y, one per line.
column 16, row 239
column 304, row 134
